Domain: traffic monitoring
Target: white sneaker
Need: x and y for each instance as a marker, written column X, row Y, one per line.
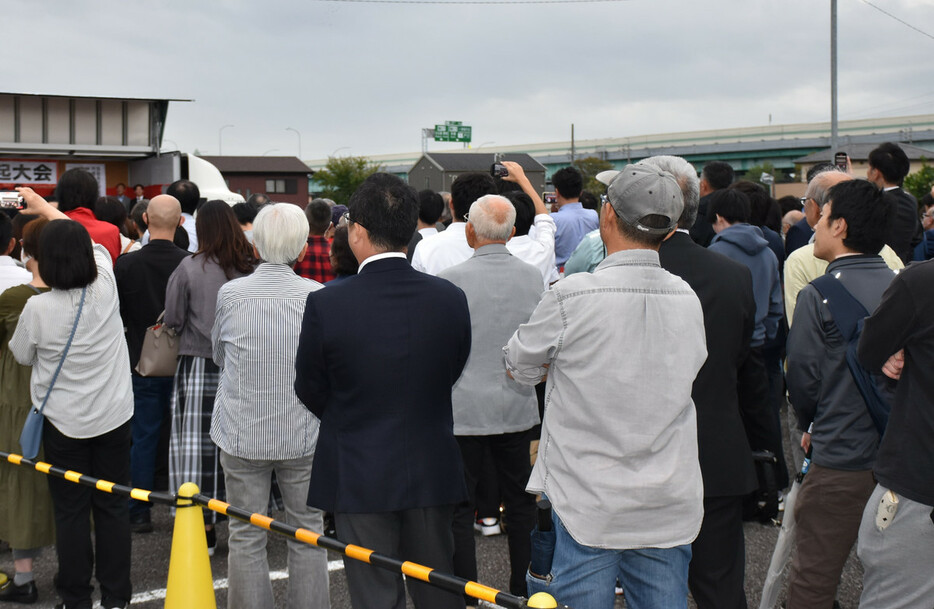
column 488, row 527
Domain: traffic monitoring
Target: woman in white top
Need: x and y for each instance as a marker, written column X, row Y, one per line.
column 88, row 412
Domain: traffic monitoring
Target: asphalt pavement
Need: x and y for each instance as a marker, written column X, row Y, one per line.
column 151, row 564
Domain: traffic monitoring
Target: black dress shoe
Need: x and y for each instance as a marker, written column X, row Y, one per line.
column 26, row 594
column 141, row 522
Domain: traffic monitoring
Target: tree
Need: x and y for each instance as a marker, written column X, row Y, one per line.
column 589, row 168
column 920, row 182
column 342, row 175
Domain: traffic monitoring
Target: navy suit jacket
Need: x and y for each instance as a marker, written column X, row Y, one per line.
column 377, row 357
column 798, row 235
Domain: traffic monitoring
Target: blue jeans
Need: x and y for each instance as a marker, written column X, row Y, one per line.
column 583, row 577
column 151, row 410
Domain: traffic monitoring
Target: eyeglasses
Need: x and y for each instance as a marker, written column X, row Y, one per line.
column 804, row 201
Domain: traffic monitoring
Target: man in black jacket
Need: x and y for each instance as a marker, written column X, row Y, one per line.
column 888, row 166
column 377, row 357
column 898, row 339
column 141, row 280
column 724, row 288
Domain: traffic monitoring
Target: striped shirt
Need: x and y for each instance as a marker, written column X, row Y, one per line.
column 93, row 393
column 256, row 412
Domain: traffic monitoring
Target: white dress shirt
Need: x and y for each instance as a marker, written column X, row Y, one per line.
column 435, row 253
column 538, row 247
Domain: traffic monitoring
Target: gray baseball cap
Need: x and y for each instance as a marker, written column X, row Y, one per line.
column 639, row 191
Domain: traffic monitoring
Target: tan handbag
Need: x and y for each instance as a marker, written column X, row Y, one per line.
column 159, row 356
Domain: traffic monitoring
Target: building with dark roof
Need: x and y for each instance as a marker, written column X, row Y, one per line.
column 437, row 170
column 282, row 178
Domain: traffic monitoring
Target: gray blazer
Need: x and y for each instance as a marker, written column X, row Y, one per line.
column 502, row 291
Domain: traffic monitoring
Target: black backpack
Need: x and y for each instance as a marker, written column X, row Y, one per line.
column 848, row 313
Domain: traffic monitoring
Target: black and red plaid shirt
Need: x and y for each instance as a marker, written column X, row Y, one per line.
column 316, row 264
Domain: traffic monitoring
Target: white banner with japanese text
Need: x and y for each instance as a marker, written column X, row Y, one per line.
column 98, row 170
column 29, row 173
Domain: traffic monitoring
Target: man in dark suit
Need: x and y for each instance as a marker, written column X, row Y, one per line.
column 888, row 166
column 377, row 357
column 715, row 176
column 724, row 288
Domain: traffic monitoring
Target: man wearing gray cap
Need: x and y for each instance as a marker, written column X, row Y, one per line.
column 618, row 455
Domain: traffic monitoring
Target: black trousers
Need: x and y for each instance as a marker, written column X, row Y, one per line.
column 511, row 458
column 107, row 457
column 718, row 561
column 420, row 535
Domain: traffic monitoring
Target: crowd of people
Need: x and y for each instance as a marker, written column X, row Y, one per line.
column 415, row 366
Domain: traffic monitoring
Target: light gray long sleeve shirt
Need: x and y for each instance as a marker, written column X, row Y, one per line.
column 255, row 337
column 502, row 291
column 618, row 452
column 93, row 393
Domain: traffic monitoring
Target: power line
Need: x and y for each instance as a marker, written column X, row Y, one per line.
column 503, row 2
column 902, row 21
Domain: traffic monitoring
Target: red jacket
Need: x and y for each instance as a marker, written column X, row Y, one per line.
column 104, row 233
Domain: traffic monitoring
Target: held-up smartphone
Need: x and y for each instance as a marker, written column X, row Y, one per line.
column 839, row 160
column 550, row 198
column 11, row 199
column 498, row 170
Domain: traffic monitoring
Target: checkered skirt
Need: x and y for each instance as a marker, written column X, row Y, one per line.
column 193, row 456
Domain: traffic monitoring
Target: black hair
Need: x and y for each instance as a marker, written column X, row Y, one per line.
column 181, row 239
column 718, row 174
column 525, row 211
column 6, row 232
column 221, row 239
column 187, row 193
column 763, row 210
column 112, row 211
column 789, row 203
column 319, row 216
column 891, row 161
column 66, row 256
column 430, row 206
column 343, row 261
column 245, row 213
column 467, row 188
column 866, row 211
column 20, row 221
column 387, row 208
column 589, row 201
column 568, row 182
column 136, row 215
column 731, row 204
column 135, row 186
column 819, row 168
column 76, row 188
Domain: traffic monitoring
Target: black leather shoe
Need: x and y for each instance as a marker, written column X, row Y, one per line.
column 26, row 594
column 141, row 523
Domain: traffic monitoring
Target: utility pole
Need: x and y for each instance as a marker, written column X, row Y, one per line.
column 572, row 143
column 833, row 77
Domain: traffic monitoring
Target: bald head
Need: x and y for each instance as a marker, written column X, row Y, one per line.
column 493, row 219
column 162, row 216
column 816, row 193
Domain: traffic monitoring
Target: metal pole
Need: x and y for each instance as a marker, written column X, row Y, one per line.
column 219, row 131
column 572, row 143
column 299, row 140
column 833, row 77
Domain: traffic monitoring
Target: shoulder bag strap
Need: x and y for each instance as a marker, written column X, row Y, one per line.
column 65, row 353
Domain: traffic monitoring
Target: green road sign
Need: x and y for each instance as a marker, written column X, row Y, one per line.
column 453, row 131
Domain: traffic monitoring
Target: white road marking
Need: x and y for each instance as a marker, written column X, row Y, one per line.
column 219, row 584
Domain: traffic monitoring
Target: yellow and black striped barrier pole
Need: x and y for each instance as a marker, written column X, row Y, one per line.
column 102, row 485
column 447, row 582
column 444, row 581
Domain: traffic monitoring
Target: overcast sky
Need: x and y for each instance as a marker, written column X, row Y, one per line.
column 364, row 77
